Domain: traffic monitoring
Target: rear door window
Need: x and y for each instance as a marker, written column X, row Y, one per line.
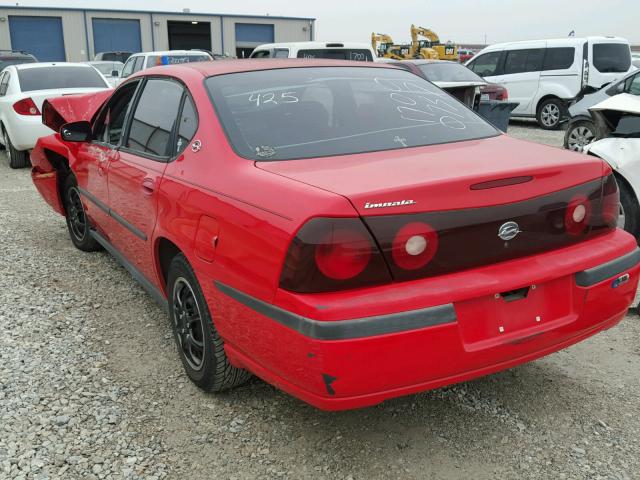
column 521, row 61
column 487, row 65
column 188, row 124
column 611, row 57
column 153, row 121
column 360, row 55
column 281, row 53
column 632, row 85
column 51, row 78
column 559, row 58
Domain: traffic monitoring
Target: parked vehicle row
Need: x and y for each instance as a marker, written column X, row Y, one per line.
column 545, row 76
column 329, row 254
column 23, row 90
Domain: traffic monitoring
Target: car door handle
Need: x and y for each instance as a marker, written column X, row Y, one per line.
column 148, row 186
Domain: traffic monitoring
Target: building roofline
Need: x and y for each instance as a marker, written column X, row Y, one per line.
column 147, row 12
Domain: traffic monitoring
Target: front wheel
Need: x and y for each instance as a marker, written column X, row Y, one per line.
column 199, row 345
column 579, row 134
column 550, row 113
column 77, row 220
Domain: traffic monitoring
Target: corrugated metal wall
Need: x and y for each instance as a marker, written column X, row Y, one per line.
column 78, row 32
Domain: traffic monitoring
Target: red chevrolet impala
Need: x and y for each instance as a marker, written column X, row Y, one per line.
column 347, row 232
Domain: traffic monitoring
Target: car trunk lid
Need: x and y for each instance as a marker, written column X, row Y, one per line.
column 443, row 177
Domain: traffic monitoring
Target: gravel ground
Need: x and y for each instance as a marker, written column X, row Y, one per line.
column 91, row 387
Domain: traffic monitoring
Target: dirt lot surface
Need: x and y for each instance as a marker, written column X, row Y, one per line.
column 91, row 387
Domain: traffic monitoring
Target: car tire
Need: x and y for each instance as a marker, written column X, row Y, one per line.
column 579, row 134
column 630, row 210
column 77, row 220
column 200, row 347
column 550, row 113
column 17, row 158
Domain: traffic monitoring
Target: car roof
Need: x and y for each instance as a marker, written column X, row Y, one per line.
column 576, row 41
column 209, row 69
column 24, row 66
column 324, row 45
column 104, row 62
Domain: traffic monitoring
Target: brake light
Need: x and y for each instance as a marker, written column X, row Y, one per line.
column 26, row 107
column 343, row 253
column 504, row 95
column 414, row 246
column 577, row 215
column 330, row 254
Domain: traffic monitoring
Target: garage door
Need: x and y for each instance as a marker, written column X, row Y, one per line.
column 116, row 35
column 40, row 36
column 254, row 33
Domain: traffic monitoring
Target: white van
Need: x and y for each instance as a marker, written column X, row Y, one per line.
column 336, row 50
column 545, row 76
column 140, row 61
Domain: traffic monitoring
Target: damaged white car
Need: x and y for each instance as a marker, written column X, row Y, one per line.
column 618, row 124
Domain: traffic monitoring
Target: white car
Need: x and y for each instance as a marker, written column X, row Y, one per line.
column 334, row 50
column 23, row 89
column 545, row 76
column 141, row 61
column 111, row 70
column 618, row 121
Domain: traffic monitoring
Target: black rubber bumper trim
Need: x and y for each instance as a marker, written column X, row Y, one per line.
column 594, row 275
column 135, row 273
column 346, row 329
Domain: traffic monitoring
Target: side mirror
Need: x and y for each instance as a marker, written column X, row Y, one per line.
column 115, row 73
column 620, row 87
column 76, row 131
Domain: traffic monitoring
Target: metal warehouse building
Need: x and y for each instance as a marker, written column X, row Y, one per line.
column 59, row 34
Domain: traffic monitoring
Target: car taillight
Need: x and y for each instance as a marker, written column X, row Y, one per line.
column 330, row 254
column 26, row 107
column 577, row 215
column 504, row 94
column 414, row 246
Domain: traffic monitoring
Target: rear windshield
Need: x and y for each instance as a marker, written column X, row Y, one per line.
column 611, row 57
column 361, row 55
column 45, row 78
column 299, row 113
column 155, row 60
column 5, row 62
column 449, row 72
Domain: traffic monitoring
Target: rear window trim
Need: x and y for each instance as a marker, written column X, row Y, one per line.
column 388, row 67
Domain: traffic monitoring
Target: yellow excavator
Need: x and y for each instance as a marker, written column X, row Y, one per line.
column 383, row 45
column 447, row 51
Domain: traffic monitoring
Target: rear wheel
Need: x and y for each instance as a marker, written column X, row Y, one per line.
column 550, row 112
column 579, row 134
column 200, row 347
column 17, row 158
column 77, row 220
column 628, row 219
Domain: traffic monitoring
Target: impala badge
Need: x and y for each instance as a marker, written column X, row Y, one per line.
column 508, row 231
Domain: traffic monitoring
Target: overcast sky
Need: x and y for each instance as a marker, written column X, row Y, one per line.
column 464, row 21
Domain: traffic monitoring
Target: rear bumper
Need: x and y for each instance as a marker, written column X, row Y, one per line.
column 25, row 131
column 339, row 364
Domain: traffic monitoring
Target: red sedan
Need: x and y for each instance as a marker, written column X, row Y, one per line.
column 346, row 232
